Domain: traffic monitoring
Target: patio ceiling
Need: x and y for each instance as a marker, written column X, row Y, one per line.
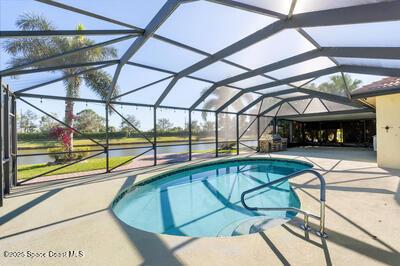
column 272, row 56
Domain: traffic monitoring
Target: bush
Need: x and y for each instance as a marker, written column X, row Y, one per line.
column 59, row 156
column 227, row 146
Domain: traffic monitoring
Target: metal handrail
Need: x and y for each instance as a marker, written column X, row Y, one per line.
column 306, row 226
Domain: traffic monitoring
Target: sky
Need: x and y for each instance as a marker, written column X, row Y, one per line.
column 224, row 26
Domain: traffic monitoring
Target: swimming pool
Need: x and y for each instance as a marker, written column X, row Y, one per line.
column 205, row 200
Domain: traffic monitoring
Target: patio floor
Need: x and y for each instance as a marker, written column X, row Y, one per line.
column 63, row 215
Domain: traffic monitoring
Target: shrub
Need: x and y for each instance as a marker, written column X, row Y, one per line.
column 227, row 146
column 59, row 155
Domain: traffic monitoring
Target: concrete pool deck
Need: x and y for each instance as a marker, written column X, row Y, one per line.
column 363, row 214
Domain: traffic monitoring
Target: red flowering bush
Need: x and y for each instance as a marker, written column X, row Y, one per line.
column 65, row 153
column 63, row 135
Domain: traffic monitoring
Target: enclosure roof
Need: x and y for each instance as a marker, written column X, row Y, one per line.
column 271, row 58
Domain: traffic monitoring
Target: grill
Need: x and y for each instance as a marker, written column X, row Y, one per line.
column 273, row 143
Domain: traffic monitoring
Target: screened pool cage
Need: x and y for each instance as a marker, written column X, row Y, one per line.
column 234, row 67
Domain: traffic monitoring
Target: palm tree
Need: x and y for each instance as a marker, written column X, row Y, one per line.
column 221, row 96
column 27, row 50
column 336, row 84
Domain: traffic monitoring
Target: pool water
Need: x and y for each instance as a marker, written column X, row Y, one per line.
column 205, row 200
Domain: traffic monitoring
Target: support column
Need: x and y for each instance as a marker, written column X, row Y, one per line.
column 6, row 144
column 190, row 134
column 216, row 134
column 14, row 150
column 1, row 145
column 258, row 133
column 155, row 134
column 106, row 150
column 275, row 128
column 365, row 132
column 237, row 134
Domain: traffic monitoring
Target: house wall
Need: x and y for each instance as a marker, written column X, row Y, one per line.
column 388, row 141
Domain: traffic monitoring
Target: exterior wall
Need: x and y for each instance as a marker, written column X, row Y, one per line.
column 388, row 141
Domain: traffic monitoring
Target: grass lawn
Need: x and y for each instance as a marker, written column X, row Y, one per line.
column 31, row 170
column 82, row 142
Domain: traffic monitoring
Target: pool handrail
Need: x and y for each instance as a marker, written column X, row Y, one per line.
column 322, row 200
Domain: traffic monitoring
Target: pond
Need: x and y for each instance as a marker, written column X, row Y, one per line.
column 125, row 152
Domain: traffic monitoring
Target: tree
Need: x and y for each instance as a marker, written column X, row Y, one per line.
column 164, row 124
column 47, row 123
column 27, row 122
column 30, row 49
column 336, row 84
column 195, row 127
column 225, row 121
column 208, row 126
column 126, row 127
column 89, row 121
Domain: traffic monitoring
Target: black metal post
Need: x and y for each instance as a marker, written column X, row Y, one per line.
column 6, row 144
column 155, row 134
column 341, row 128
column 190, row 135
column 216, row 134
column 106, row 148
column 258, row 133
column 14, row 149
column 1, row 145
column 274, row 130
column 237, row 134
column 365, row 131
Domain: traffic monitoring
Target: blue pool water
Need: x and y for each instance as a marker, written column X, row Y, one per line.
column 205, row 201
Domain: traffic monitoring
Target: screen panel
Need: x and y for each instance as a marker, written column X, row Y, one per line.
column 226, row 134
column 286, row 109
column 279, row 46
column 250, row 82
column 160, row 54
column 266, row 126
column 84, row 86
column 172, row 135
column 133, row 77
column 219, row 96
column 281, row 6
column 185, row 92
column 332, row 84
column 315, row 106
column 242, row 102
column 300, row 105
column 304, row 6
column 334, row 106
column 268, row 102
column 148, row 95
column 188, row 25
column 10, row 11
column 203, row 135
column 378, row 34
column 138, row 13
column 218, row 71
column 302, row 68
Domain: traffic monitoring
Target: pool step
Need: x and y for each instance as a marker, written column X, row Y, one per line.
column 251, row 225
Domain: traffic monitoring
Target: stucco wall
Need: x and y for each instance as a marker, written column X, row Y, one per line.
column 388, row 141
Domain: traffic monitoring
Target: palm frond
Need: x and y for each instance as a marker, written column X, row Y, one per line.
column 99, row 82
